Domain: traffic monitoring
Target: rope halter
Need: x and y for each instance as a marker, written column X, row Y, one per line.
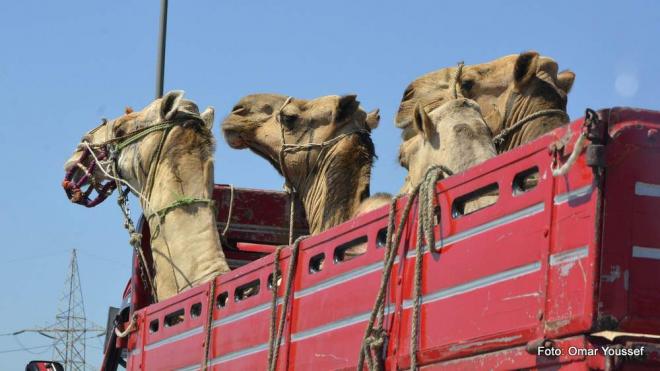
column 297, row 147
column 97, row 155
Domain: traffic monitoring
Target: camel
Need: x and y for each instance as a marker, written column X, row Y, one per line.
column 454, row 135
column 322, row 147
column 178, row 162
column 508, row 90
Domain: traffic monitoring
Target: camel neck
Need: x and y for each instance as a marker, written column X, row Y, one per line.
column 337, row 186
column 185, row 241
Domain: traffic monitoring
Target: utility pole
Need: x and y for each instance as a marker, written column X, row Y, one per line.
column 162, row 37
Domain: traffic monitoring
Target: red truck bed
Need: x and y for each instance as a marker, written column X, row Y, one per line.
column 557, row 263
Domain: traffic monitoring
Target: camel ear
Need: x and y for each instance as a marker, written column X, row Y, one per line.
column 170, row 103
column 565, row 80
column 207, row 116
column 525, row 69
column 346, row 107
column 422, row 122
column 373, row 118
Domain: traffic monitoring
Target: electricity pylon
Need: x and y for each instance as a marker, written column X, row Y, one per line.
column 69, row 344
column 71, row 326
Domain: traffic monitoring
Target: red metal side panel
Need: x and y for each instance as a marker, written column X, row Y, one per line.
column 572, row 279
column 170, row 347
column 525, row 268
column 332, row 306
column 485, row 289
column 571, row 356
column 241, row 327
column 630, row 284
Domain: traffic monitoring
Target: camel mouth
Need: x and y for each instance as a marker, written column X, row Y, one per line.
column 78, row 169
column 234, row 139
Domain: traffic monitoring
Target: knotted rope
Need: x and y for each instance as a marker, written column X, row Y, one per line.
column 375, row 338
column 275, row 337
column 130, row 327
column 273, row 307
column 577, row 149
column 425, row 211
column 135, row 238
column 457, row 78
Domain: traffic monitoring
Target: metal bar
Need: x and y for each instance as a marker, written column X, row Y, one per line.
column 162, row 36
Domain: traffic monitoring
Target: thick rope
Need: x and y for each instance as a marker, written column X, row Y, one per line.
column 273, row 307
column 425, row 225
column 135, row 238
column 209, row 325
column 499, row 139
column 375, row 337
column 457, row 78
column 577, row 149
column 372, row 336
column 275, row 344
column 151, row 178
column 130, row 327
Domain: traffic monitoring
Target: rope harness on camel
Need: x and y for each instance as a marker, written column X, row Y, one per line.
column 108, row 155
column 286, row 148
column 500, row 138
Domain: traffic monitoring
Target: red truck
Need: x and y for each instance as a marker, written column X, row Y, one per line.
column 561, row 272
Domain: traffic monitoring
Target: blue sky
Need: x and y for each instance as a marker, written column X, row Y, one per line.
column 65, row 65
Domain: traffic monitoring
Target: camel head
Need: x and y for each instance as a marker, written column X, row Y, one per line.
column 322, row 147
column 118, row 141
column 506, row 89
column 264, row 122
column 453, row 134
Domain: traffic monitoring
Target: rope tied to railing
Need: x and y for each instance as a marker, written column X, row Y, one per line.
column 275, row 337
column 375, row 337
column 209, row 325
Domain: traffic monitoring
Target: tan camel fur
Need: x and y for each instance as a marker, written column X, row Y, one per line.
column 185, row 245
column 507, row 89
column 331, row 180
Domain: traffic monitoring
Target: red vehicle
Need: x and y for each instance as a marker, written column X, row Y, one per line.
column 561, row 272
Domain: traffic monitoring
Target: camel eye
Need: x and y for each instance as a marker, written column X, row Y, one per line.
column 467, row 85
column 119, row 132
column 288, row 120
column 410, row 91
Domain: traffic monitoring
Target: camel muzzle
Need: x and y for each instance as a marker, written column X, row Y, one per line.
column 73, row 183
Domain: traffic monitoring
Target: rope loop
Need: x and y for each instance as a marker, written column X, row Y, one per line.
column 131, row 327
column 499, row 139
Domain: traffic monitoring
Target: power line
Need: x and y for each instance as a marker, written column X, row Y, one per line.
column 71, row 328
column 27, row 349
